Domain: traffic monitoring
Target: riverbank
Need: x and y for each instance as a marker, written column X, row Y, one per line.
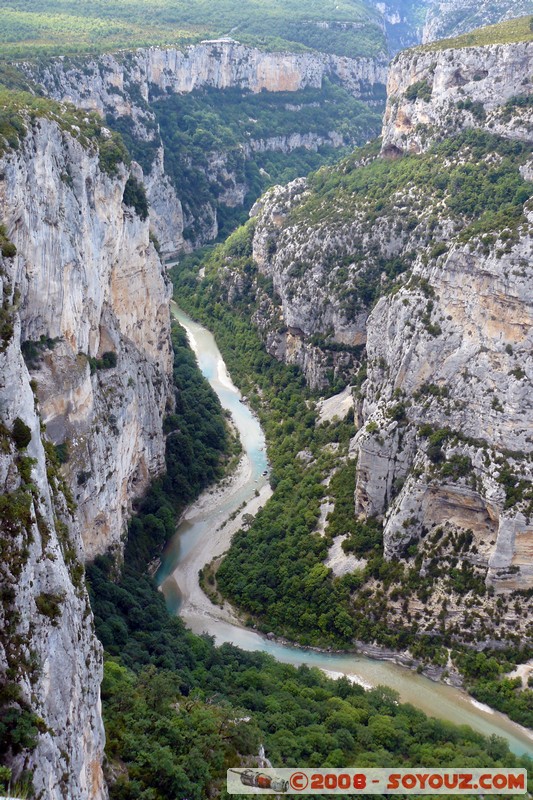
column 194, row 602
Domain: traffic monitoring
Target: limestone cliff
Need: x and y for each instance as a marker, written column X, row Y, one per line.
column 85, row 302
column 435, row 92
column 463, row 369
column 124, row 87
column 113, row 81
column 423, row 259
column 91, row 282
column 50, row 659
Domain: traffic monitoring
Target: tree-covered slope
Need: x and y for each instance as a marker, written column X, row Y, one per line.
column 511, row 31
column 454, row 18
column 224, row 148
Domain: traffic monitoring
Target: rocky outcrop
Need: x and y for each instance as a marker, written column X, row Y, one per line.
column 433, row 93
column 444, row 444
column 466, row 374
column 298, row 311
column 324, row 262
column 86, row 304
column 115, row 81
column 166, row 212
column 294, row 141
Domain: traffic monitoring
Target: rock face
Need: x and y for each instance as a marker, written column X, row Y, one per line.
column 49, row 655
column 91, row 282
column 85, row 301
column 299, row 313
column 50, row 658
column 124, row 85
column 470, row 377
column 432, row 93
column 466, row 370
column 107, row 82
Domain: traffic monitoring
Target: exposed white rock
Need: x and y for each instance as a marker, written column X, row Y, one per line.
column 89, row 278
column 47, row 643
column 464, row 88
column 483, row 357
column 335, row 407
column 341, row 563
column 103, row 82
column 166, row 212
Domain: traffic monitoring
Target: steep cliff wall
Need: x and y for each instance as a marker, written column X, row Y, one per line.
column 107, row 82
column 465, row 372
column 433, row 93
column 124, row 87
column 449, row 353
column 90, row 281
column 50, row 659
column 86, row 304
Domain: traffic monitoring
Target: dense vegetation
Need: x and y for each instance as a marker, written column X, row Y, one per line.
column 178, row 711
column 205, row 124
column 61, row 26
column 512, row 30
column 473, row 187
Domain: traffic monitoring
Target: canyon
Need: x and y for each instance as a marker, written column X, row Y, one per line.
column 438, row 306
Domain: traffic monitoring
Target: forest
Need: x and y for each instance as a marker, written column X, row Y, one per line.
column 208, row 123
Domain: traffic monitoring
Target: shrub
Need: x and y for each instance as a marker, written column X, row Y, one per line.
column 421, row 90
column 7, row 248
column 21, row 434
column 438, row 250
column 112, row 152
column 49, row 605
column 135, row 197
column 108, row 361
column 62, row 453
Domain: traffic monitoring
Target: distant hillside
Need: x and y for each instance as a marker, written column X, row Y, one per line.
column 342, row 27
column 508, row 32
column 346, row 28
column 455, row 17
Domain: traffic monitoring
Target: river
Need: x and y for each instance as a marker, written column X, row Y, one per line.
column 205, row 532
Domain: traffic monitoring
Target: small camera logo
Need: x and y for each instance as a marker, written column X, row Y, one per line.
column 260, row 780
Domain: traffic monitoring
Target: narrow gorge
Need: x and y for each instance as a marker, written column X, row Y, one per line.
column 374, row 309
